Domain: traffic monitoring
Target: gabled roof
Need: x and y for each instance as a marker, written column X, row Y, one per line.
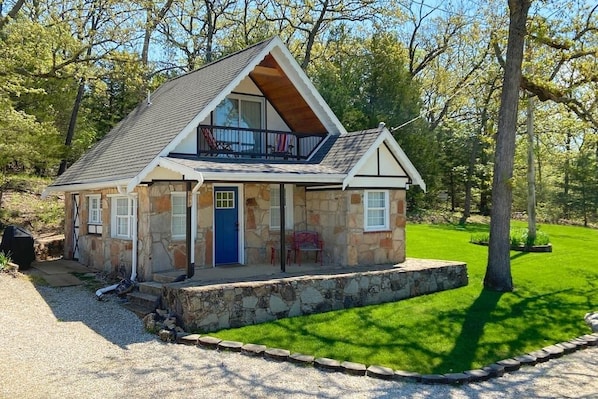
column 176, row 107
column 142, row 142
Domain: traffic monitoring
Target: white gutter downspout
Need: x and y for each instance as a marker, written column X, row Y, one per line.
column 133, row 278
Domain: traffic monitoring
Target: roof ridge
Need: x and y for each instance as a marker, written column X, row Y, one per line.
column 358, row 132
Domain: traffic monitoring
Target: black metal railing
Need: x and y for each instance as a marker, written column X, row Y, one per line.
column 222, row 141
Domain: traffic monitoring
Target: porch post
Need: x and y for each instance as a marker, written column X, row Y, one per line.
column 283, row 252
column 190, row 263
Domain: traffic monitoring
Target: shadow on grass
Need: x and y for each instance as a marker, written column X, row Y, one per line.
column 466, row 343
column 468, row 227
column 518, row 255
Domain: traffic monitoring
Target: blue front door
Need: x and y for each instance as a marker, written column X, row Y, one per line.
column 226, row 215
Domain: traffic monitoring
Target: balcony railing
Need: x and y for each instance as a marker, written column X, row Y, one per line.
column 221, row 141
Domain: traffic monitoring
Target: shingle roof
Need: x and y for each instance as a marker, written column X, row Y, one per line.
column 225, row 165
column 346, row 149
column 139, row 138
column 337, row 156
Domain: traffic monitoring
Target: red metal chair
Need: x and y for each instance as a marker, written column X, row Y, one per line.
column 213, row 144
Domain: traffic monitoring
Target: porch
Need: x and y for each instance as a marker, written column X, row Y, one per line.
column 239, row 142
column 235, row 296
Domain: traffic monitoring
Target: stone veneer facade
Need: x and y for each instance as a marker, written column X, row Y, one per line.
column 215, row 307
column 338, row 216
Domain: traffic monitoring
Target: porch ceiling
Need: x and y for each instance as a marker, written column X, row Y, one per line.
column 285, row 98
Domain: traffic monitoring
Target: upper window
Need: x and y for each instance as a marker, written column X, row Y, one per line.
column 244, row 112
column 275, row 206
column 94, row 214
column 123, row 217
column 179, row 214
column 240, row 111
column 377, row 210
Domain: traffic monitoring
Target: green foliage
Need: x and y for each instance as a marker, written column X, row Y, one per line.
column 22, row 205
column 4, row 260
column 365, row 82
column 460, row 329
column 518, row 238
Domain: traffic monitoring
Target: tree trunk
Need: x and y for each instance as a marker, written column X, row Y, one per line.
column 498, row 273
column 566, row 209
column 72, row 124
column 531, row 173
column 469, row 180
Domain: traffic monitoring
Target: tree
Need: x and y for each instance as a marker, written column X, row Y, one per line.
column 498, row 272
column 303, row 22
column 366, row 81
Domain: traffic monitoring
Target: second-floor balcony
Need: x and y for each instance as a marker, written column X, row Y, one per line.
column 234, row 142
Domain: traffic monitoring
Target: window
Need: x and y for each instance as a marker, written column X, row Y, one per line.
column 179, row 215
column 245, row 112
column 123, row 217
column 225, row 200
column 376, row 212
column 94, row 214
column 275, row 206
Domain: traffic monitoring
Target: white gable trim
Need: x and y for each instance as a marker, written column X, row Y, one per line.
column 306, row 88
column 83, row 187
column 393, row 146
column 294, row 72
column 204, row 113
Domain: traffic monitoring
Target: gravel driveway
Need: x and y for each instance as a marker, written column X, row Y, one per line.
column 62, row 343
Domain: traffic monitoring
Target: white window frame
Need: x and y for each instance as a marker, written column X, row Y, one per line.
column 367, row 207
column 128, row 218
column 94, row 214
column 178, row 216
column 254, row 99
column 275, row 209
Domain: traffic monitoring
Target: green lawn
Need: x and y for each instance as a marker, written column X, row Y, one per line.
column 460, row 329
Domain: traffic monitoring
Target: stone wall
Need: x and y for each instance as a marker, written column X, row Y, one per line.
column 259, row 238
column 339, row 217
column 336, row 215
column 99, row 251
column 215, row 307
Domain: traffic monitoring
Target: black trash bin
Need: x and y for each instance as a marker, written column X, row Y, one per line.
column 18, row 244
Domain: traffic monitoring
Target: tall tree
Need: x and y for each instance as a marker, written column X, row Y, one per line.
column 498, row 272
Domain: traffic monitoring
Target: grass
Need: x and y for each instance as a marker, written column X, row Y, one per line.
column 459, row 329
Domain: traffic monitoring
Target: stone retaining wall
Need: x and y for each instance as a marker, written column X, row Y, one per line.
column 215, row 307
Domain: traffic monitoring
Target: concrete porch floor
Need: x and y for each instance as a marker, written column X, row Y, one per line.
column 261, row 272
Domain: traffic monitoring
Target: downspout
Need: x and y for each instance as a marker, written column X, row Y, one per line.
column 102, row 291
column 188, row 235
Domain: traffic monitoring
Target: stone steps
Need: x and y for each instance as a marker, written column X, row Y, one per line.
column 142, row 303
column 151, row 287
